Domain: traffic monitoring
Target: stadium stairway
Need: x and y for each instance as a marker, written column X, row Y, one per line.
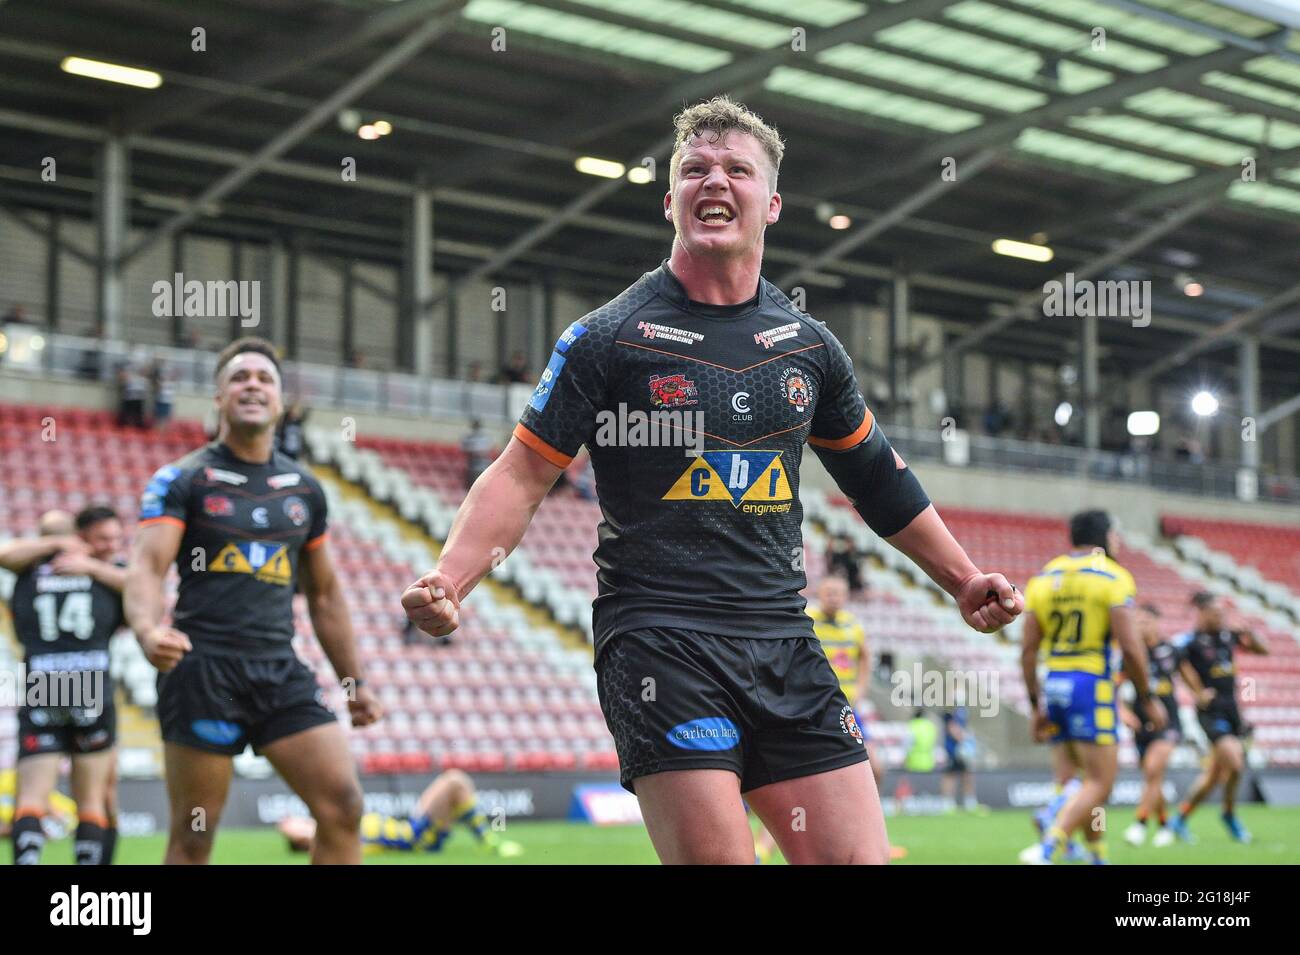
column 1262, row 560
column 514, row 690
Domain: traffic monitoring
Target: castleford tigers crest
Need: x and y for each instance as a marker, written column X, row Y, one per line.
column 849, row 724
column 673, row 391
column 796, row 387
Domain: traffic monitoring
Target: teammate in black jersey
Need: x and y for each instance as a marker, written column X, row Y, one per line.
column 244, row 524
column 695, row 391
column 1154, row 746
column 1208, row 668
column 67, row 604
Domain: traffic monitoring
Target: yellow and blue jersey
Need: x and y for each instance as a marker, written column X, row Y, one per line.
column 1072, row 599
column 414, row 834
column 844, row 642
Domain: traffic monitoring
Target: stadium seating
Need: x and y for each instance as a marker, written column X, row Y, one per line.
column 1249, row 554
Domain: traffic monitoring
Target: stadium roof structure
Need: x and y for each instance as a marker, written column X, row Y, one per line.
column 1115, row 131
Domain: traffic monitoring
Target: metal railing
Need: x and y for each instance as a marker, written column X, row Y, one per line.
column 361, row 389
column 1209, row 479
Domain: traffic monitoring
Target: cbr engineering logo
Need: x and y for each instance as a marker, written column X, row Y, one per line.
column 753, row 481
column 267, row 563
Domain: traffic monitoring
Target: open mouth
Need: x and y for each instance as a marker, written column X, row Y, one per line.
column 714, row 213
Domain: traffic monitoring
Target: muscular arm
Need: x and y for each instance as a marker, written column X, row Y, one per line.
column 155, row 548
column 1193, row 680
column 110, row 575
column 930, row 545
column 495, row 514
column 329, row 612
column 18, row 555
column 488, row 526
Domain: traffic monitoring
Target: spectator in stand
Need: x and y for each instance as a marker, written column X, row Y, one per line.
column 996, row 420
column 515, row 371
column 356, row 359
column 17, row 315
column 1189, row 449
column 477, row 447
column 90, row 365
column 474, row 371
column 842, row 559
column 132, row 393
column 164, row 394
column 289, row 436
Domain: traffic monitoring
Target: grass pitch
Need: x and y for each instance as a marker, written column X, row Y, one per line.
column 960, row 838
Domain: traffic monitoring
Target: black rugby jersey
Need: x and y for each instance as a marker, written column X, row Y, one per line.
column 709, row 539
column 1210, row 654
column 1163, row 660
column 64, row 621
column 246, row 526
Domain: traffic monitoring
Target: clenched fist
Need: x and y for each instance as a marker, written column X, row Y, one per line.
column 432, row 604
column 164, row 647
column 988, row 602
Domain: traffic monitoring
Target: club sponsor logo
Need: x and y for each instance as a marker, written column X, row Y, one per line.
column 740, row 405
column 668, row 333
column 771, row 336
column 796, row 387
column 260, row 518
column 569, row 336
column 267, row 563
column 279, row 481
column 151, row 504
column 218, row 475
column 218, row 505
column 49, row 583
column 673, row 391
column 296, row 511
column 753, row 481
column 709, row 733
column 220, row 732
column 542, row 394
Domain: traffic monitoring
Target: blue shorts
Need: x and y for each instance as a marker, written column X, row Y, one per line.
column 1081, row 707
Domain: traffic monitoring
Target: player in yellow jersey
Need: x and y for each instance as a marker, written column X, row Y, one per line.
column 451, row 798
column 1080, row 607
column 845, row 644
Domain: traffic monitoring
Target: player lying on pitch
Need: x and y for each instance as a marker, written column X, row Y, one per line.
column 449, row 799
